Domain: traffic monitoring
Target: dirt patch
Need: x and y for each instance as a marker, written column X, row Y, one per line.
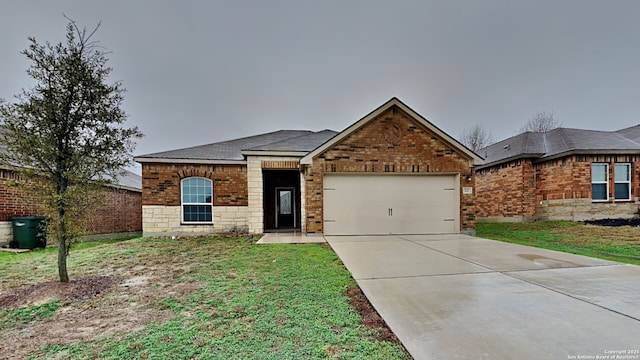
column 77, row 289
column 614, row 222
column 370, row 317
column 92, row 307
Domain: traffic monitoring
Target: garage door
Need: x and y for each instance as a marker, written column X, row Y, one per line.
column 390, row 204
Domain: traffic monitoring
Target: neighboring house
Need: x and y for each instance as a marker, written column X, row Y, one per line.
column 390, row 172
column 562, row 174
column 121, row 212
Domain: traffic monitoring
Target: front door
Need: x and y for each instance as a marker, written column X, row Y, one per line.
column 285, row 207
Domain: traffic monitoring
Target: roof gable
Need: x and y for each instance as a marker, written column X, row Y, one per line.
column 307, row 159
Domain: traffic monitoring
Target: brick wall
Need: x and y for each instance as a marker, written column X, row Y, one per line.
column 161, row 183
column 120, row 212
column 13, row 201
column 392, row 142
column 563, row 179
column 562, row 189
column 506, row 190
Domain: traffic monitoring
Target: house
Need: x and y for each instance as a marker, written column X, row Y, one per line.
column 120, row 214
column 390, row 172
column 562, row 174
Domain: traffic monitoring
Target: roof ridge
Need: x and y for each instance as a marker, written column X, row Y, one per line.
column 616, row 133
column 568, row 144
column 308, row 133
column 545, row 143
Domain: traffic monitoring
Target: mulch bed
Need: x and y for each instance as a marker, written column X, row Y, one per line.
column 77, row 289
column 614, row 222
column 370, row 317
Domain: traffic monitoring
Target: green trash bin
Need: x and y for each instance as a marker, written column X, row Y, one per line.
column 29, row 232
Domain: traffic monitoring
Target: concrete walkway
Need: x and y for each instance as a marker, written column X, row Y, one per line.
column 289, row 238
column 460, row 297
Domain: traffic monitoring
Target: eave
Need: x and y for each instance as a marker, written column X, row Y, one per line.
column 289, row 153
column 144, row 160
column 509, row 159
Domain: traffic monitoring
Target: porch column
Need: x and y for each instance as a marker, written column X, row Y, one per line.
column 255, row 187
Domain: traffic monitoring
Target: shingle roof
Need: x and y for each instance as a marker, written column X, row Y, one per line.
column 304, row 143
column 283, row 140
column 562, row 141
column 129, row 180
column 632, row 133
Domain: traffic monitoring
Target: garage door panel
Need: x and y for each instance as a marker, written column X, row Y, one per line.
column 384, row 204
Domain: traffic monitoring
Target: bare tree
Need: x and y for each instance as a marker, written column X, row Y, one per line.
column 476, row 138
column 541, row 122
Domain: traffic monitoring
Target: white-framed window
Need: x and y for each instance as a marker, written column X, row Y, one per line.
column 622, row 180
column 197, row 207
column 599, row 182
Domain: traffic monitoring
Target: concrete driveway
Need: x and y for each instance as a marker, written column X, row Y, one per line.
column 460, row 297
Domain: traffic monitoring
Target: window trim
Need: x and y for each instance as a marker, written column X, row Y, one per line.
column 628, row 182
column 600, row 182
column 182, row 203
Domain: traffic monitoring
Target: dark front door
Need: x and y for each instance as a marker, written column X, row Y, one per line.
column 285, row 207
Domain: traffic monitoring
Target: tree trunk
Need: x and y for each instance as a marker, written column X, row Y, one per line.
column 61, row 230
column 62, row 248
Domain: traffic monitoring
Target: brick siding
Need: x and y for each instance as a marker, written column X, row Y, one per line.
column 504, row 190
column 161, row 183
column 13, row 200
column 120, row 212
column 391, row 143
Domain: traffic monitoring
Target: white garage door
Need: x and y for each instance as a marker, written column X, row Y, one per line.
column 390, row 204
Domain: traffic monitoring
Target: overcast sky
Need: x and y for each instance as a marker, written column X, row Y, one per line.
column 204, row 71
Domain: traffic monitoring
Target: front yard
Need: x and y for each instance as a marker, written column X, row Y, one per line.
column 185, row 299
column 606, row 242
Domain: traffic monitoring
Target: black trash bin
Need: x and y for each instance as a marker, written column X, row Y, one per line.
column 29, row 232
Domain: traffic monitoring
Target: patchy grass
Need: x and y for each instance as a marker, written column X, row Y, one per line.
column 611, row 243
column 6, row 256
column 194, row 299
column 26, row 315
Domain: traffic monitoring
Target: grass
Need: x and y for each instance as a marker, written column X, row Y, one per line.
column 611, row 243
column 7, row 257
column 219, row 299
column 26, row 315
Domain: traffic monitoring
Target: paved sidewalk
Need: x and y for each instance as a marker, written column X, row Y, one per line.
column 460, row 297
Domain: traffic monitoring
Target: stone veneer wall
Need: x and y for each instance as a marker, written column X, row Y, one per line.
column 256, row 189
column 6, row 232
column 391, row 143
column 584, row 209
column 165, row 221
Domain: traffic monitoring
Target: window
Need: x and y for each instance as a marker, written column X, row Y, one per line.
column 622, row 187
column 600, row 182
column 196, row 201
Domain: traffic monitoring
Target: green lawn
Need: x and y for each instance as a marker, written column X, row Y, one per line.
column 192, row 299
column 612, row 243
